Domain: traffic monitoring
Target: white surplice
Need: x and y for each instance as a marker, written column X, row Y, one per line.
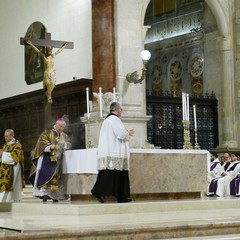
column 113, row 148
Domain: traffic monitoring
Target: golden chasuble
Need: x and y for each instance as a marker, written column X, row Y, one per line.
column 6, row 171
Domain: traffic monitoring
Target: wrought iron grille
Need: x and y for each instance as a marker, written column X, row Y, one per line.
column 165, row 128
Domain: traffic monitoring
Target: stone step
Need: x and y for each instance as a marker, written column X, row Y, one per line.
column 180, row 219
column 76, row 208
column 215, row 237
column 195, row 219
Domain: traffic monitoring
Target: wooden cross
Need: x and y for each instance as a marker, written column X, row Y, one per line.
column 46, row 42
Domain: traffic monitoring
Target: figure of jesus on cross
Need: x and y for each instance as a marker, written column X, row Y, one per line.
column 49, row 75
column 49, row 78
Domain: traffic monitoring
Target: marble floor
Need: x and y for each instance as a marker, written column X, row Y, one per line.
column 205, row 218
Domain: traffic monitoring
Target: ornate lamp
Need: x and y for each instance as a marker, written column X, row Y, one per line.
column 133, row 77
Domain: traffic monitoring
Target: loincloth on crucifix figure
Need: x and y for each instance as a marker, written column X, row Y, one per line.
column 49, row 77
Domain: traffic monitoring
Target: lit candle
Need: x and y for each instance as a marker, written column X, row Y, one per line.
column 195, row 116
column 187, row 106
column 87, row 96
column 114, row 94
column 100, row 102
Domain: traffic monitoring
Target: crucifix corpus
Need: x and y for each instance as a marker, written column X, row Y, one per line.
column 49, row 77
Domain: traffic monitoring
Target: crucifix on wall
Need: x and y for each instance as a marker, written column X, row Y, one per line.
column 44, row 48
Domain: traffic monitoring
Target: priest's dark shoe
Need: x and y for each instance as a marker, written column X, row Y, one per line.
column 211, row 195
column 45, row 198
column 100, row 199
column 124, row 200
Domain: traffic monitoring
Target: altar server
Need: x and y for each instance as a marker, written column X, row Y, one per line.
column 113, row 158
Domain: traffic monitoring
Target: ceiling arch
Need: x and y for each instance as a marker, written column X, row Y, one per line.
column 221, row 16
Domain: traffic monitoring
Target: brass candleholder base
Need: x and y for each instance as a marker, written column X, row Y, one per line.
column 89, row 141
column 186, row 132
column 197, row 146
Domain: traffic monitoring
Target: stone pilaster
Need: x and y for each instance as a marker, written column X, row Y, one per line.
column 119, row 57
column 228, row 94
column 131, row 32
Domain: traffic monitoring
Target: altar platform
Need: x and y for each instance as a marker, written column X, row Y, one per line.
column 154, row 173
column 193, row 219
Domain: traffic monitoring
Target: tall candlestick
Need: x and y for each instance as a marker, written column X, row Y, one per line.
column 195, row 116
column 114, row 94
column 87, row 97
column 100, row 102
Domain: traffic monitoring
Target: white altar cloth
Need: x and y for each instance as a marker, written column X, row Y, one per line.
column 85, row 160
column 80, row 161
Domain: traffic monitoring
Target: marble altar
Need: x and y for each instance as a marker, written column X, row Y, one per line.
column 152, row 172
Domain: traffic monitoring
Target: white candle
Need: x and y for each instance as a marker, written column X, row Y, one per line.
column 100, row 102
column 187, row 106
column 87, row 97
column 114, row 94
column 184, row 106
column 195, row 116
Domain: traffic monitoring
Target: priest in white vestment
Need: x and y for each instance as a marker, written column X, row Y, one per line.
column 226, row 165
column 223, row 184
column 11, row 169
column 215, row 170
column 113, row 158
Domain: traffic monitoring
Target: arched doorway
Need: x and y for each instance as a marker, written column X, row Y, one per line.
column 176, row 40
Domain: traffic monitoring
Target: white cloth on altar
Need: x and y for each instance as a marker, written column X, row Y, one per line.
column 80, row 161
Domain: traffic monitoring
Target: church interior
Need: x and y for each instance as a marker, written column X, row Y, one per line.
column 174, row 67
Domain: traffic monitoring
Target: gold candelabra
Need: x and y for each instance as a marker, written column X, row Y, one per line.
column 196, row 146
column 186, row 134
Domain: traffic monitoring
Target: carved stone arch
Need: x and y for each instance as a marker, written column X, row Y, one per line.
column 143, row 13
column 144, row 9
column 221, row 16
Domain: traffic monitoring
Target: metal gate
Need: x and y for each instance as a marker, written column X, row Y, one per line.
column 165, row 129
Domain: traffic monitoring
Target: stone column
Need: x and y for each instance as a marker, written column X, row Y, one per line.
column 103, row 64
column 228, row 94
column 103, row 47
column 131, row 33
column 119, row 31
